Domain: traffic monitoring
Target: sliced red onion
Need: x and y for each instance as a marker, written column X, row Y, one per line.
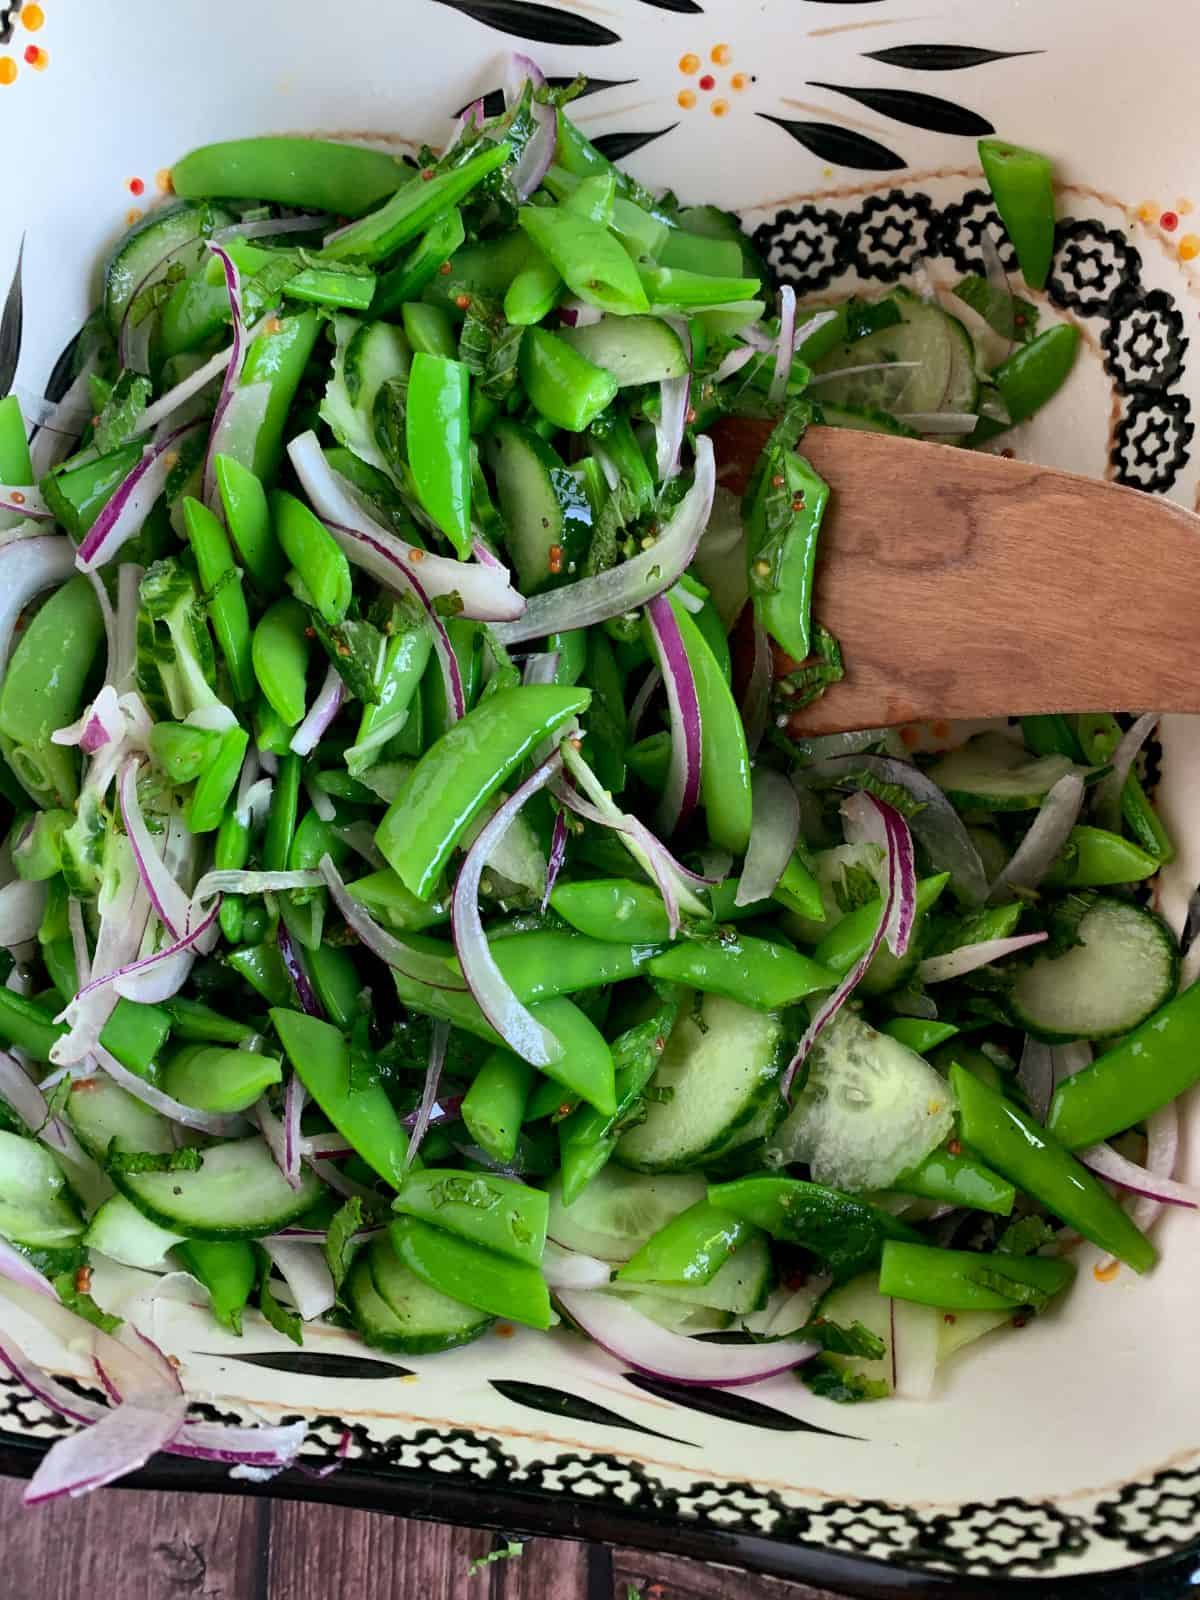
column 774, row 831
column 47, row 1389
column 937, row 825
column 721, row 557
column 263, row 1446
column 808, row 328
column 637, row 710
column 997, row 281
column 485, row 590
column 23, row 500
column 949, row 422
column 473, row 116
column 969, row 957
column 856, row 372
column 268, row 227
column 870, row 821
column 360, row 836
column 1035, row 1074
column 446, row 1108
column 1162, row 1156
column 171, row 904
column 60, row 425
column 294, row 1098
column 235, row 433
column 27, row 567
column 642, row 1344
column 271, row 1129
column 734, row 361
column 558, row 855
column 786, row 345
column 633, row 583
column 516, row 1025
column 579, row 314
column 329, row 1174
column 682, row 791
column 119, row 1443
column 233, row 372
column 102, row 723
column 16, row 1268
column 303, row 1269
column 439, row 1036
column 168, row 404
column 29, row 1103
column 340, row 1454
column 123, row 662
column 131, row 982
column 1108, row 1164
column 321, row 802
column 756, row 703
column 674, row 397
column 538, row 155
column 131, row 502
column 568, row 1269
column 21, row 906
column 414, row 964
column 253, row 800
column 294, row 966
column 220, row 1125
column 1070, row 1059
column 1045, row 839
column 238, row 880
column 1107, row 804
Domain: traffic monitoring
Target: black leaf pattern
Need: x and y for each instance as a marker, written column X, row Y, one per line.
column 917, row 110
column 8, row 17
column 317, row 1364
column 841, row 147
column 675, row 5
column 529, row 20
column 942, row 57
column 730, row 1406
column 618, row 145
column 557, row 1403
column 493, row 100
column 10, row 326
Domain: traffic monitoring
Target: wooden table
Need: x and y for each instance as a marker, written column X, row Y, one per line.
column 135, row 1545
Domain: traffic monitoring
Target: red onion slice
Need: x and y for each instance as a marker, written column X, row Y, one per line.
column 485, row 590
column 538, row 155
column 579, row 314
column 773, row 834
column 1035, row 1074
column 321, row 713
column 569, row 1269
column 233, row 372
column 871, row 821
column 734, row 361
column 124, row 908
column 1107, row 1163
column 303, row 1269
column 236, row 432
column 22, row 904
column 969, row 957
column 516, row 1025
column 1107, row 804
column 268, row 227
column 271, row 1129
column 674, row 397
column 237, row 880
column 682, row 790
column 263, row 1446
column 27, row 567
column 131, row 502
column 47, row 1389
column 641, row 700
column 296, row 971
column 171, row 904
column 785, row 347
column 439, row 1036
column 558, row 855
column 23, row 500
column 119, row 1443
column 642, row 1344
column 1044, row 841
column 415, row 964
column 294, row 1098
column 997, row 281
column 633, row 583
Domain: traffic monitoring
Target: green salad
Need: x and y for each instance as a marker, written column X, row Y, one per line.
column 421, row 906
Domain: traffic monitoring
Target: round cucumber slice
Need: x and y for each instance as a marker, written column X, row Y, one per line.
column 618, row 1211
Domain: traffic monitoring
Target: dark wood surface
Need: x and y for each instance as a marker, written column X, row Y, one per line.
column 960, row 585
column 135, row 1545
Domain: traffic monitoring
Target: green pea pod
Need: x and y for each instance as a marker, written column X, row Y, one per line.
column 798, row 890
column 281, row 818
column 466, row 640
column 42, row 690
column 262, row 967
column 691, row 1248
column 365, row 1117
column 272, row 734
column 918, row 1033
column 572, row 650
column 846, row 1233
column 414, row 207
column 672, row 288
column 1093, row 858
column 280, row 651
column 134, row 1033
column 389, row 902
column 192, row 1019
column 622, row 910
column 1036, row 370
column 592, row 198
column 316, row 556
column 533, row 293
column 58, row 958
column 962, row 1280
column 77, row 495
column 437, row 420
column 248, row 518
column 214, row 787
column 499, row 1214
column 15, row 464
column 424, row 262
column 213, row 1078
column 958, row 1181
column 724, row 757
column 339, row 987
column 493, row 1107
column 430, row 330
column 227, row 1269
column 1030, row 1156
column 312, row 174
column 278, row 357
column 756, row 972
column 544, row 962
column 37, row 851
column 1151, row 1066
column 781, row 547
column 848, row 939
column 457, row 776
column 181, row 751
column 1099, row 735
column 230, row 854
column 592, row 264
column 1022, row 185
column 569, row 390
column 1051, row 734
column 471, row 1274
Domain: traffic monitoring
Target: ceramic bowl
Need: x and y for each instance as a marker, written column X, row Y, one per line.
column 844, row 132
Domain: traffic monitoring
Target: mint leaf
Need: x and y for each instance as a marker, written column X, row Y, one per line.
column 188, row 1159
column 281, row 1318
column 79, row 1300
column 1009, row 315
column 511, row 1550
column 1021, row 1294
column 338, row 1245
column 122, row 411
column 1024, row 1236
column 830, row 1382
column 839, row 1340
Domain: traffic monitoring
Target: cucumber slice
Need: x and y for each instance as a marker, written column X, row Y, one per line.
column 860, row 1301
column 618, row 1211
column 633, row 349
column 547, row 513
column 36, row 1208
column 871, row 1108
column 100, row 1111
column 722, row 1065
column 923, row 363
column 237, row 1193
column 846, row 877
column 864, row 419
column 377, row 352
column 376, row 1322
column 956, row 1329
column 994, row 773
column 740, row 1286
column 365, row 355
column 426, row 1320
column 121, row 1232
column 179, row 232
column 675, row 1315
column 1125, row 967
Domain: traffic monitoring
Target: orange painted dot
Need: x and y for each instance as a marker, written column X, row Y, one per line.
column 8, row 70
column 1189, row 247
column 33, row 18
column 686, row 98
column 708, row 82
column 738, row 81
column 1184, row 207
column 719, row 107
column 136, row 186
column 721, row 55
column 134, row 214
column 162, row 181
column 1169, row 220
column 37, row 58
column 1147, row 211
column 689, row 63
column 1106, row 1274
column 17, row 498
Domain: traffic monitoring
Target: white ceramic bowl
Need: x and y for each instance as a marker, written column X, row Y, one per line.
column 844, row 131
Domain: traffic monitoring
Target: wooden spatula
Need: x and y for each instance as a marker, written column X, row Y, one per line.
column 961, row 584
